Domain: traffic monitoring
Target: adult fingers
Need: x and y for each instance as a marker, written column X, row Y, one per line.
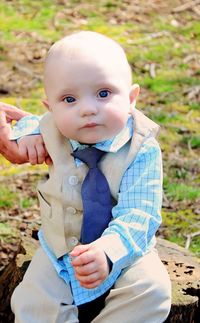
column 12, row 112
column 12, row 153
column 3, row 121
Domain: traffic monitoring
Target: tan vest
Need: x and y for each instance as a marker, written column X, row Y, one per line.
column 60, row 194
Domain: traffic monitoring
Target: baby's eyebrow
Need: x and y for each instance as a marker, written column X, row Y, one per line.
column 105, row 85
column 66, row 91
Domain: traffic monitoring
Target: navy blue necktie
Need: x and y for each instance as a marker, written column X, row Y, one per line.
column 96, row 196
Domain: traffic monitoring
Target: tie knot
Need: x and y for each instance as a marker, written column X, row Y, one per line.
column 90, row 156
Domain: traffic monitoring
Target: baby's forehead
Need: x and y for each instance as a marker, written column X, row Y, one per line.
column 89, row 47
column 87, row 44
column 86, row 41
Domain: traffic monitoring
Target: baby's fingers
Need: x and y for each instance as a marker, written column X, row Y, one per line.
column 41, row 153
column 48, row 160
column 29, row 151
column 32, row 155
column 23, row 150
column 86, row 270
column 87, row 280
column 33, row 146
column 91, row 285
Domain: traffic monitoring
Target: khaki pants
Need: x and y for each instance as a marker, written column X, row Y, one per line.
column 141, row 295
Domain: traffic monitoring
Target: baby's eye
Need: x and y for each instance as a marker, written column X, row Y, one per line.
column 69, row 99
column 103, row 93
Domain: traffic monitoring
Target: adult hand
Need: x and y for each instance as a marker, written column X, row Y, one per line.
column 9, row 149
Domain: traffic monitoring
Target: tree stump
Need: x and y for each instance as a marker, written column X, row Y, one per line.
column 184, row 271
column 183, row 268
column 15, row 256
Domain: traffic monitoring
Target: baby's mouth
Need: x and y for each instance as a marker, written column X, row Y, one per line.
column 90, row 125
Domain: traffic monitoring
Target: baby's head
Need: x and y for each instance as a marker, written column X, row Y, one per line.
column 87, row 81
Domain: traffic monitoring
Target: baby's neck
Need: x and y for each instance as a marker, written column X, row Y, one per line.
column 84, row 143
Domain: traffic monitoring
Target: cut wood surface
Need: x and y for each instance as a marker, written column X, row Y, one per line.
column 184, row 271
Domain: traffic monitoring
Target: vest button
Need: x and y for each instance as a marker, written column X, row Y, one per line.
column 73, row 180
column 71, row 210
column 73, row 241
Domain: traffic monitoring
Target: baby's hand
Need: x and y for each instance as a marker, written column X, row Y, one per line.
column 33, row 146
column 90, row 265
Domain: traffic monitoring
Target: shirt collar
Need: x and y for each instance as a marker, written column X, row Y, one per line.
column 113, row 144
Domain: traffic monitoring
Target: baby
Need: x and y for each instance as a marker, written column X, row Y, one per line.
column 116, row 276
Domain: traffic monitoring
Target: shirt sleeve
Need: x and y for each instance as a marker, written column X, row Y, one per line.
column 28, row 125
column 137, row 215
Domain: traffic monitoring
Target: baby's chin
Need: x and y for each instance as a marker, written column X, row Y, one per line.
column 94, row 141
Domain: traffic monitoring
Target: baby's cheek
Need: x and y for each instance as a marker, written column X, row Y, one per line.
column 62, row 125
column 119, row 122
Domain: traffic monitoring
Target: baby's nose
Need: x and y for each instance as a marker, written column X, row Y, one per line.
column 88, row 108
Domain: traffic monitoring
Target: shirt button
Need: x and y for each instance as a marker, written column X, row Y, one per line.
column 73, row 180
column 71, row 210
column 73, row 241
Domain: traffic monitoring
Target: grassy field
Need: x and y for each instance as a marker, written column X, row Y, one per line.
column 162, row 45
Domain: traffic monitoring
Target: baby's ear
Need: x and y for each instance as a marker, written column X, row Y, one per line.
column 46, row 103
column 134, row 92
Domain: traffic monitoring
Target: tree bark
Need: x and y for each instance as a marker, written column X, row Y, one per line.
column 12, row 273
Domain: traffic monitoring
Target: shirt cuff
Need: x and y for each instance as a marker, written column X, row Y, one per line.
column 28, row 125
column 115, row 250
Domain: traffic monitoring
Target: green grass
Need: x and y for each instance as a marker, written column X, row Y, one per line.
column 177, row 225
column 7, row 196
column 162, row 117
column 164, row 83
column 180, row 191
column 191, row 30
column 194, row 106
column 8, row 234
column 195, row 246
column 27, row 202
column 25, row 15
column 10, row 197
column 164, row 98
column 192, row 141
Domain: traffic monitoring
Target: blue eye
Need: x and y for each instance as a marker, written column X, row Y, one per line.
column 103, row 93
column 69, row 99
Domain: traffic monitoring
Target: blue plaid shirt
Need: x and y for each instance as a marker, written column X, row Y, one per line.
column 136, row 216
